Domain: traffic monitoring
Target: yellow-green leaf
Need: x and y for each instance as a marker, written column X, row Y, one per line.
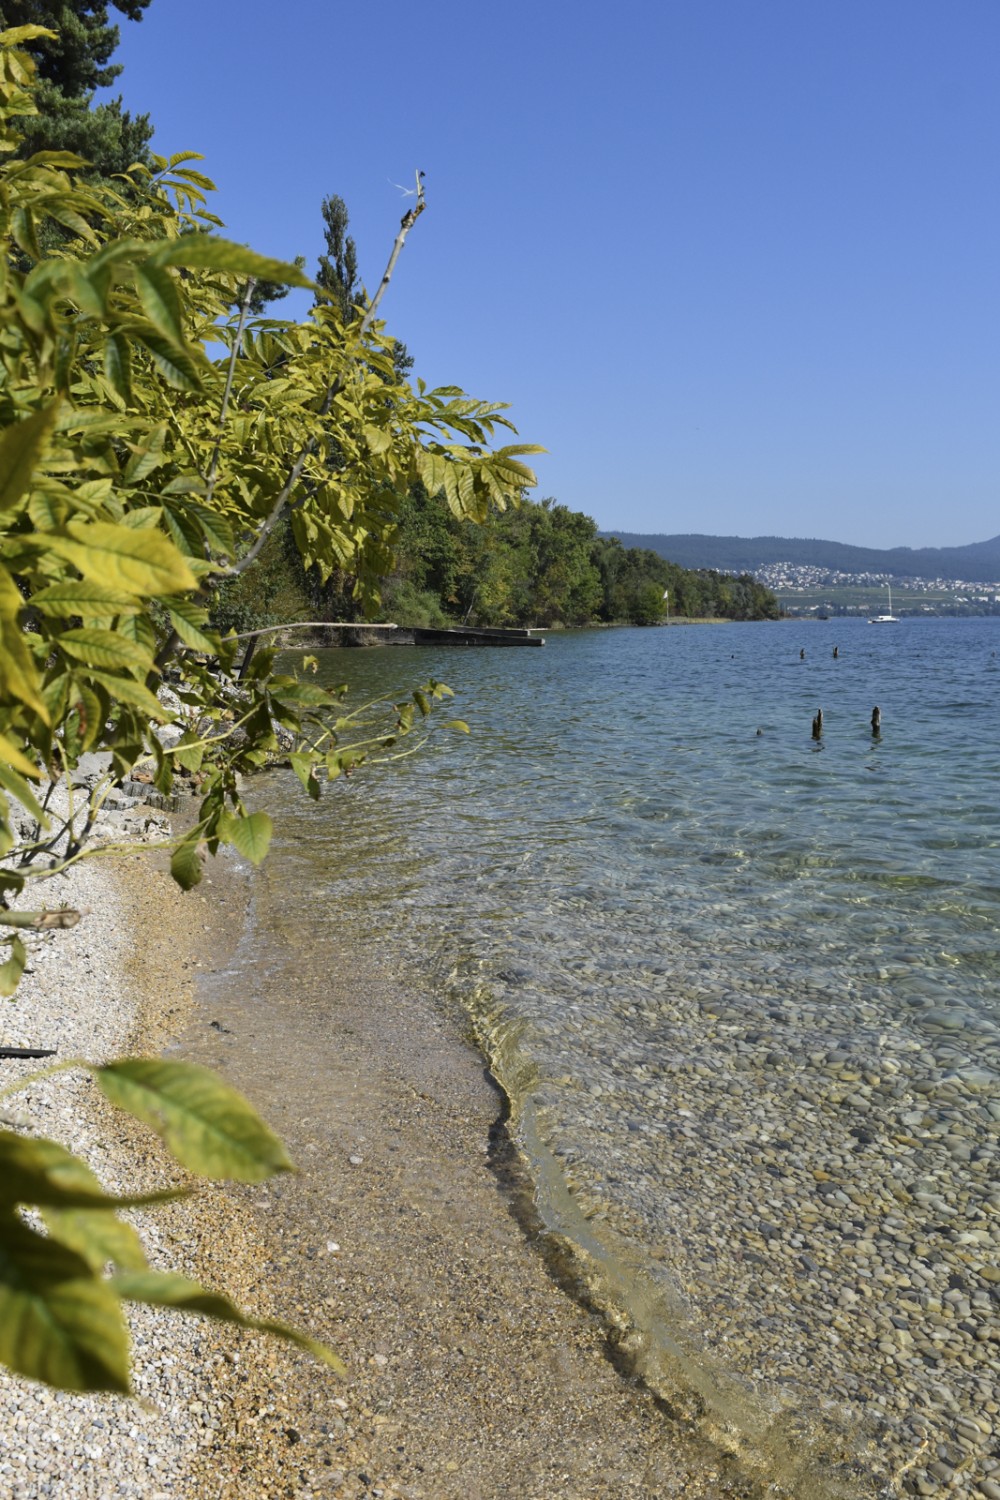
column 191, row 623
column 127, row 690
column 20, row 789
column 205, row 1124
column 377, row 438
column 22, row 445
column 59, row 1323
column 39, row 1172
column 16, row 758
column 146, row 457
column 189, row 751
column 160, row 301
column 167, row 1289
column 185, row 864
column 175, row 362
column 21, row 679
column 249, row 836
column 212, row 253
column 106, row 649
column 118, row 365
column 140, row 562
column 76, row 597
column 12, row 969
column 98, row 1235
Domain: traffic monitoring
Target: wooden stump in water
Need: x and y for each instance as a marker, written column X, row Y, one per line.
column 818, row 725
column 876, row 721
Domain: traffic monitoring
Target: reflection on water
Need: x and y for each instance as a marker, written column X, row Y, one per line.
column 744, row 997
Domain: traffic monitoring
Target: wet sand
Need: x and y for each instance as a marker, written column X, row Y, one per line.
column 406, row 1242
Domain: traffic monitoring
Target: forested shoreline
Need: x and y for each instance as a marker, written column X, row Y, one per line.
column 538, row 563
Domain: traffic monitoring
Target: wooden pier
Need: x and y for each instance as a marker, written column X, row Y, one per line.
column 361, row 633
column 463, row 635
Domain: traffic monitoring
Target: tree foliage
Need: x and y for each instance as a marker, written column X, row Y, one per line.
column 137, row 475
column 544, row 564
column 72, row 51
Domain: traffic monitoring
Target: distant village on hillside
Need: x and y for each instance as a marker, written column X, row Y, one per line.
column 803, row 589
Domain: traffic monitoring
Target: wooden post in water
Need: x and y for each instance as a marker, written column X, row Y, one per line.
column 876, row 722
column 818, row 725
column 836, row 652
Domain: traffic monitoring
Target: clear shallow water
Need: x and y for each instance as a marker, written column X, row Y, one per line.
column 744, row 990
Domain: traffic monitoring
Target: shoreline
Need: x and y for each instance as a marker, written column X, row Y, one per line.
column 472, row 1371
column 407, row 1244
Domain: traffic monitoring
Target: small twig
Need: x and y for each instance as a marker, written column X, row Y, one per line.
column 405, row 225
column 40, row 919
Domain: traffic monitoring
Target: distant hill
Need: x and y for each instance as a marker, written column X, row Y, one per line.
column 978, row 563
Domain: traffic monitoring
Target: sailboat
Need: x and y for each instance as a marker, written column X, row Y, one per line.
column 890, row 618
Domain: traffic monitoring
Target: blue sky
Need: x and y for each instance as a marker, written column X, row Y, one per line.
column 735, row 265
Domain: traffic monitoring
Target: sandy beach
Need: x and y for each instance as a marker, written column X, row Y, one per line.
column 404, row 1241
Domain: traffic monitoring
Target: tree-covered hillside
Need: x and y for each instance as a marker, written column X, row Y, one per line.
column 539, row 563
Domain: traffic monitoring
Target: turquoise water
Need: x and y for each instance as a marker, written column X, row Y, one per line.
column 743, row 987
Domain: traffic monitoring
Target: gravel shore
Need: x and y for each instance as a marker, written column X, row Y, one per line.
column 201, row 1422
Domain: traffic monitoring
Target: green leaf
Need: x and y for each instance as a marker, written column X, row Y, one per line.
column 143, row 518
column 303, row 767
column 106, row 649
column 185, row 865
column 11, row 971
column 16, row 758
column 214, row 254
column 21, row 447
column 158, row 1289
column 72, row 221
column 21, row 679
column 189, row 752
column 98, row 1235
column 147, row 458
column 215, row 528
column 47, row 509
column 22, row 791
column 175, row 363
column 37, row 1172
column 64, row 600
column 58, row 1322
column 377, row 438
column 458, row 724
column 160, row 301
column 87, row 715
column 205, row 1124
column 16, row 36
column 190, row 623
column 249, row 836
column 127, row 690
column 140, row 562
column 24, row 233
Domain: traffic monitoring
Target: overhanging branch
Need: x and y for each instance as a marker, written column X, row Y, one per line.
column 333, row 390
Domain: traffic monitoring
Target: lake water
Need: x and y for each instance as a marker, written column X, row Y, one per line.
column 742, row 986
